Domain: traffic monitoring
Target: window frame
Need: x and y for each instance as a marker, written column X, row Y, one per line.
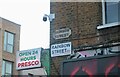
column 104, row 24
column 5, row 65
column 6, row 42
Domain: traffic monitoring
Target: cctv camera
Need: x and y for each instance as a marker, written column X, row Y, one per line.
column 50, row 17
column 45, row 18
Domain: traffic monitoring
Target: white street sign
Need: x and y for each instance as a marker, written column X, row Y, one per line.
column 61, row 49
column 62, row 33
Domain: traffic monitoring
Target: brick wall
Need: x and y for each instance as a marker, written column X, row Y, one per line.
column 82, row 18
column 13, row 28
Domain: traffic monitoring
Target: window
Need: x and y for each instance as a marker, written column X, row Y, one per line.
column 110, row 13
column 6, row 68
column 8, row 41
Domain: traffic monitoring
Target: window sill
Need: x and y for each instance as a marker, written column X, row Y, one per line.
column 108, row 25
column 8, row 52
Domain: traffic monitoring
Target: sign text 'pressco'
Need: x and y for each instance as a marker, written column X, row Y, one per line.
column 28, row 59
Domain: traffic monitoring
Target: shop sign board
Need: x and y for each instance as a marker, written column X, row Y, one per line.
column 62, row 33
column 105, row 65
column 61, row 49
column 28, row 59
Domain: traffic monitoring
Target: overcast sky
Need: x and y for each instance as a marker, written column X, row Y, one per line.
column 29, row 14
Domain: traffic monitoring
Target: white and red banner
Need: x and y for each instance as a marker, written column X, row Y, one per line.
column 28, row 59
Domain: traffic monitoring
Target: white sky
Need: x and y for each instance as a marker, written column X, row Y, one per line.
column 29, row 14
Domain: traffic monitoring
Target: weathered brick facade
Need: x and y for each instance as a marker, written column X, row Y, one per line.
column 82, row 18
column 6, row 25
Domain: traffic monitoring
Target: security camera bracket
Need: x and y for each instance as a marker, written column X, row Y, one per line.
column 50, row 16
